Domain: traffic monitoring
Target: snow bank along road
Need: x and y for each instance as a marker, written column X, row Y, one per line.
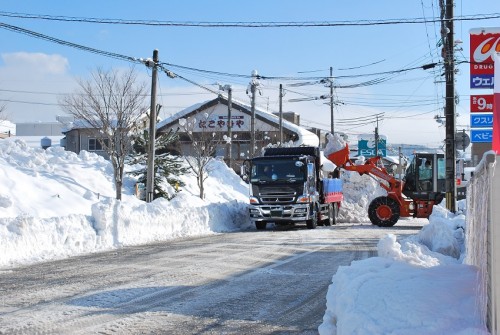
column 252, row 282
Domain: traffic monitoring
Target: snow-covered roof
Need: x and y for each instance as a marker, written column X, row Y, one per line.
column 181, row 114
column 304, row 136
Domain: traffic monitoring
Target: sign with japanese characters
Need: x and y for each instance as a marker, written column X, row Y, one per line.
column 481, row 135
column 220, row 122
column 481, row 120
column 484, row 42
column 481, row 103
column 215, row 119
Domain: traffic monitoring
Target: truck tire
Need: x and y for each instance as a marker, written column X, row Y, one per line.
column 335, row 213
column 330, row 220
column 384, row 212
column 260, row 225
column 312, row 223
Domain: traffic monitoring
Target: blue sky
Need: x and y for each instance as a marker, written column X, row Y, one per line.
column 34, row 72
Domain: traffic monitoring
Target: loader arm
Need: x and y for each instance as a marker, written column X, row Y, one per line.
column 372, row 167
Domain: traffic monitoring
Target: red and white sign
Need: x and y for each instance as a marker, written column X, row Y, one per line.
column 484, row 43
column 482, row 103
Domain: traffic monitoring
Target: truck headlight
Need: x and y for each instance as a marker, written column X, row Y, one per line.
column 254, row 200
column 304, row 199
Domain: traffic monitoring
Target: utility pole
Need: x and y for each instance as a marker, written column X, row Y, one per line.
column 376, row 138
column 229, row 123
column 448, row 55
column 281, row 115
column 152, row 129
column 253, row 89
column 331, row 100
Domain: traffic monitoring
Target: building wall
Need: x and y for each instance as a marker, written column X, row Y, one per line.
column 213, row 121
column 478, row 150
column 78, row 140
column 39, row 129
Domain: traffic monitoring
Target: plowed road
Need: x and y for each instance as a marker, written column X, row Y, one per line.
column 252, row 282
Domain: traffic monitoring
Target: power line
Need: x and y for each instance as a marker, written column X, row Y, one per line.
column 138, row 60
column 56, row 93
column 69, row 44
column 243, row 24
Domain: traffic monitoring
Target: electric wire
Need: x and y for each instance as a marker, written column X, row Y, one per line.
column 242, row 24
column 66, row 43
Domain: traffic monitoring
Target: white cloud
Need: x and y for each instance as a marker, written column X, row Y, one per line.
column 37, row 62
column 30, row 84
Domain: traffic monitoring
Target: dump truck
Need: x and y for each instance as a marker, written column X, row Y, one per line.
column 292, row 185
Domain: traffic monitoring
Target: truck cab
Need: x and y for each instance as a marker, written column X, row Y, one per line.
column 425, row 177
column 287, row 187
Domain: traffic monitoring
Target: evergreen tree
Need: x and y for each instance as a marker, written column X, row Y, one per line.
column 167, row 167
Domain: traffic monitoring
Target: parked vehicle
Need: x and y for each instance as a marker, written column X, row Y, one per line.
column 292, row 185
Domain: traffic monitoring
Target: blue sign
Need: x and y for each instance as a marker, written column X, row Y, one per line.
column 366, row 146
column 481, row 135
column 481, row 81
column 481, row 120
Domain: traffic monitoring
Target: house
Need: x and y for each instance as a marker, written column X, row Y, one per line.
column 81, row 135
column 212, row 117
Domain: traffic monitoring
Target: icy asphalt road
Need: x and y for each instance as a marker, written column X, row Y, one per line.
column 252, row 282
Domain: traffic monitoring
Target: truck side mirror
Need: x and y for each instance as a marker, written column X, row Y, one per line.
column 310, row 170
column 244, row 168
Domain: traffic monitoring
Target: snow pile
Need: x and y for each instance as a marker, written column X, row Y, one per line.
column 334, row 143
column 410, row 288
column 359, row 191
column 56, row 204
column 52, row 182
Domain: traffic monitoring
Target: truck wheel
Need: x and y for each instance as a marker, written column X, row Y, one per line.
column 384, row 212
column 312, row 223
column 335, row 213
column 331, row 215
column 260, row 225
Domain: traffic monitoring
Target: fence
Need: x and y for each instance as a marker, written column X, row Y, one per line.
column 483, row 237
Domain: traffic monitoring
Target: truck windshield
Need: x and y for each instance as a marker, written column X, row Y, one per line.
column 277, row 170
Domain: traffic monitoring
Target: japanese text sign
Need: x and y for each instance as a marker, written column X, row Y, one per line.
column 480, row 120
column 481, row 103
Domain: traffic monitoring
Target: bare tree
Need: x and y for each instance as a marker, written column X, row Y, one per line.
column 112, row 103
column 204, row 144
column 3, row 116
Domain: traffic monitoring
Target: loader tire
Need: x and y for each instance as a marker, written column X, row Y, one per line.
column 384, row 212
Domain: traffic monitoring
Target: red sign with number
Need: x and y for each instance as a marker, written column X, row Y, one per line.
column 481, row 103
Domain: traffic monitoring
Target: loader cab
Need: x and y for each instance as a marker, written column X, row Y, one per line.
column 425, row 177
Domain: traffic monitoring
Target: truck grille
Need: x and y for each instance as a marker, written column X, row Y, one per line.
column 277, row 197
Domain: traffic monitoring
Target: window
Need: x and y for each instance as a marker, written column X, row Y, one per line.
column 95, row 144
column 441, row 168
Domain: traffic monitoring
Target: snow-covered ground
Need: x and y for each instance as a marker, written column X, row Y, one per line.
column 56, row 204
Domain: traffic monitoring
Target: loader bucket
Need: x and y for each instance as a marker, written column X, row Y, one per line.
column 340, row 157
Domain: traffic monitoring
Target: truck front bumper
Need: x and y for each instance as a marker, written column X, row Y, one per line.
column 276, row 213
